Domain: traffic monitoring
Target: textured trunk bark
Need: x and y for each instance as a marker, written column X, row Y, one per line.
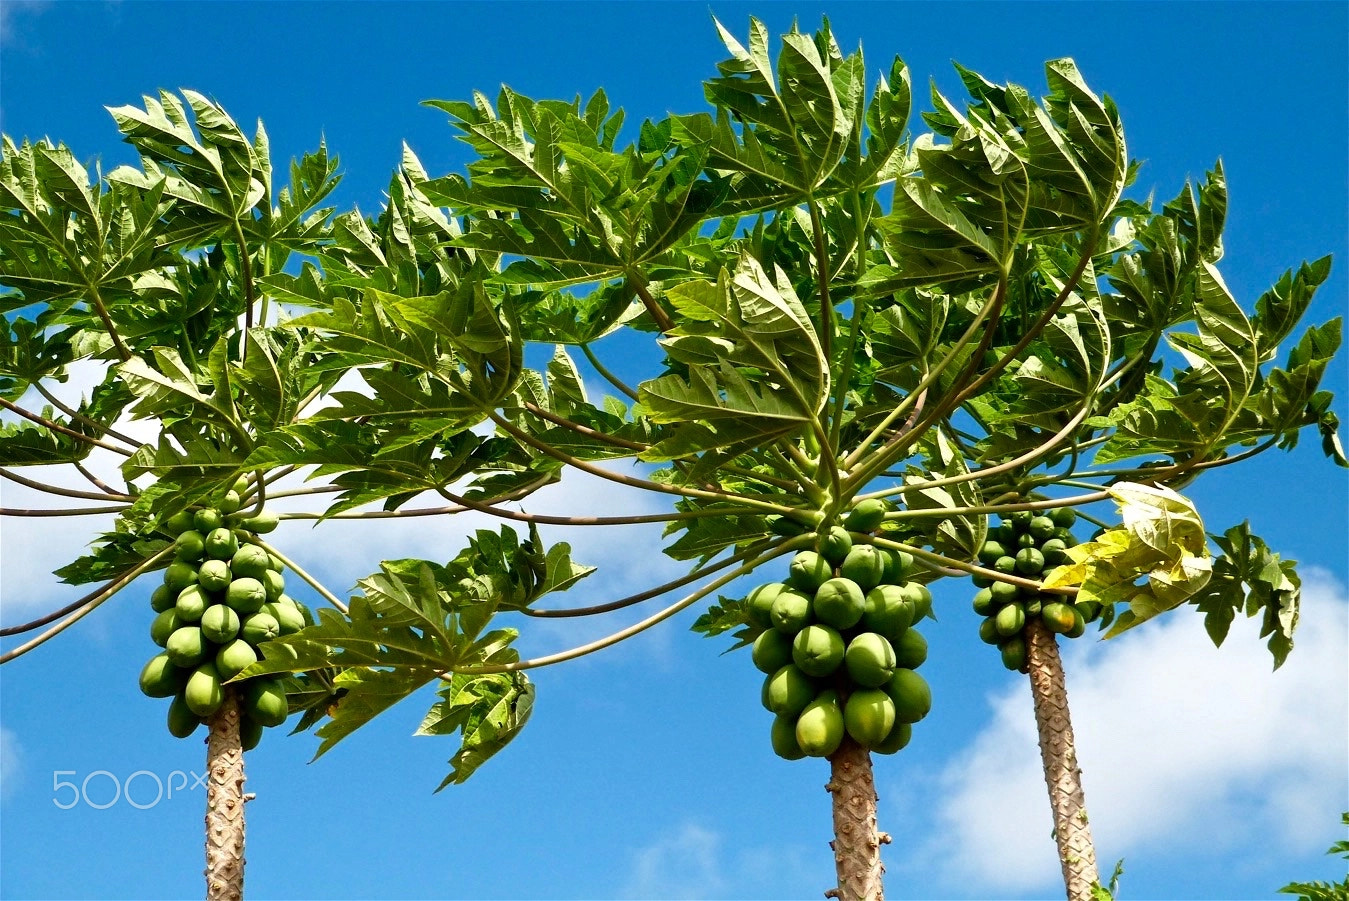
column 1058, row 752
column 856, row 844
column 225, row 804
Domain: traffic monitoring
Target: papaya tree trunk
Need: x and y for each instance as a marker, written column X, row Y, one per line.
column 225, row 804
column 1058, row 752
column 856, row 844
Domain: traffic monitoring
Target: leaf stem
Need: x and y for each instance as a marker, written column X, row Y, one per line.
column 787, row 546
column 87, row 607
column 299, row 571
column 972, row 569
column 57, row 427
column 606, row 374
column 79, row 511
column 77, row 415
column 61, row 492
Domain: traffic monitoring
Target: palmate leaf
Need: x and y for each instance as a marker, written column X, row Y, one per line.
column 725, row 615
column 415, row 622
column 1162, row 538
column 1250, row 578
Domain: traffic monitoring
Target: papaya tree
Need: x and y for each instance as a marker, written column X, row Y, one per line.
column 871, row 359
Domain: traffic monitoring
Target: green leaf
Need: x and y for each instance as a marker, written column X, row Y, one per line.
column 489, row 710
column 1249, row 577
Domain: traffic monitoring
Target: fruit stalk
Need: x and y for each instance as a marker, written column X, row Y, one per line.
column 856, row 844
column 1058, row 752
column 225, row 804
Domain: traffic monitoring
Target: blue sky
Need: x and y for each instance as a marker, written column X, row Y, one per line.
column 646, row 770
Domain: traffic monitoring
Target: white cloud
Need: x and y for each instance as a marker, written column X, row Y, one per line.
column 684, row 864
column 1184, row 747
column 11, row 763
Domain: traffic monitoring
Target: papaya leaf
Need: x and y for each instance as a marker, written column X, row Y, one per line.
column 725, row 615
column 1161, row 537
column 1249, row 577
column 489, row 710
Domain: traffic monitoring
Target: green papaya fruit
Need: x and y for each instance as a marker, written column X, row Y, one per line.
column 819, row 728
column 784, row 738
column 164, row 625
column 220, row 624
column 983, row 602
column 834, row 544
column 189, row 546
column 178, row 575
column 250, row 561
column 202, row 693
column 896, row 741
column 867, row 516
column 760, row 600
column 1030, row 562
column 187, row 647
column 868, row 716
column 1064, row 517
column 981, row 581
column 250, row 733
column 839, row 602
column 261, row 523
column 286, row 613
column 265, row 701
column 865, row 565
column 259, row 627
column 898, row 565
column 1042, row 527
column 179, row 522
column 1021, row 519
column 191, row 604
column 917, row 594
column 1006, row 565
column 887, row 611
column 1090, row 610
column 246, row 595
column 870, row 660
column 234, row 658
column 273, row 583
column 215, row 575
column 990, row 552
column 1004, row 592
column 1010, row 620
column 808, row 571
column 988, row 630
column 817, row 650
column 772, row 651
column 1013, row 652
column 910, row 649
column 911, row 694
column 1066, row 536
column 790, row 612
column 182, row 721
column 788, row 691
column 1058, row 617
column 160, row 678
column 230, row 502
column 207, row 519
column 1079, row 625
column 1026, row 540
column 1007, row 533
column 162, row 598
column 221, row 544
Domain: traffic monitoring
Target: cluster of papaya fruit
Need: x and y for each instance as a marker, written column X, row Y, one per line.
column 838, row 645
column 220, row 600
column 1027, row 544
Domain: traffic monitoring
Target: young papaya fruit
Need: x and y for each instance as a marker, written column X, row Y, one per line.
column 772, row 651
column 202, row 693
column 817, row 650
column 911, row 694
column 246, row 595
column 898, row 565
column 265, row 701
column 160, row 678
column 164, row 625
column 834, row 545
column 819, row 728
column 191, row 604
column 839, row 602
column 896, row 741
column 235, row 657
column 865, row 565
column 783, row 737
column 870, row 660
column 189, row 546
column 1010, row 620
column 867, row 516
column 259, row 627
column 230, row 502
column 788, row 691
column 868, row 716
column 910, row 649
column 250, row 561
column 179, row 522
column 178, row 575
column 760, row 601
column 220, row 624
column 221, row 544
column 790, row 612
column 808, row 571
column 286, row 613
column 215, row 575
column 187, row 647
column 162, row 598
column 273, row 583
column 207, row 519
column 1013, row 652
column 182, row 721
column 262, row 523
column 887, row 611
column 250, row 733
